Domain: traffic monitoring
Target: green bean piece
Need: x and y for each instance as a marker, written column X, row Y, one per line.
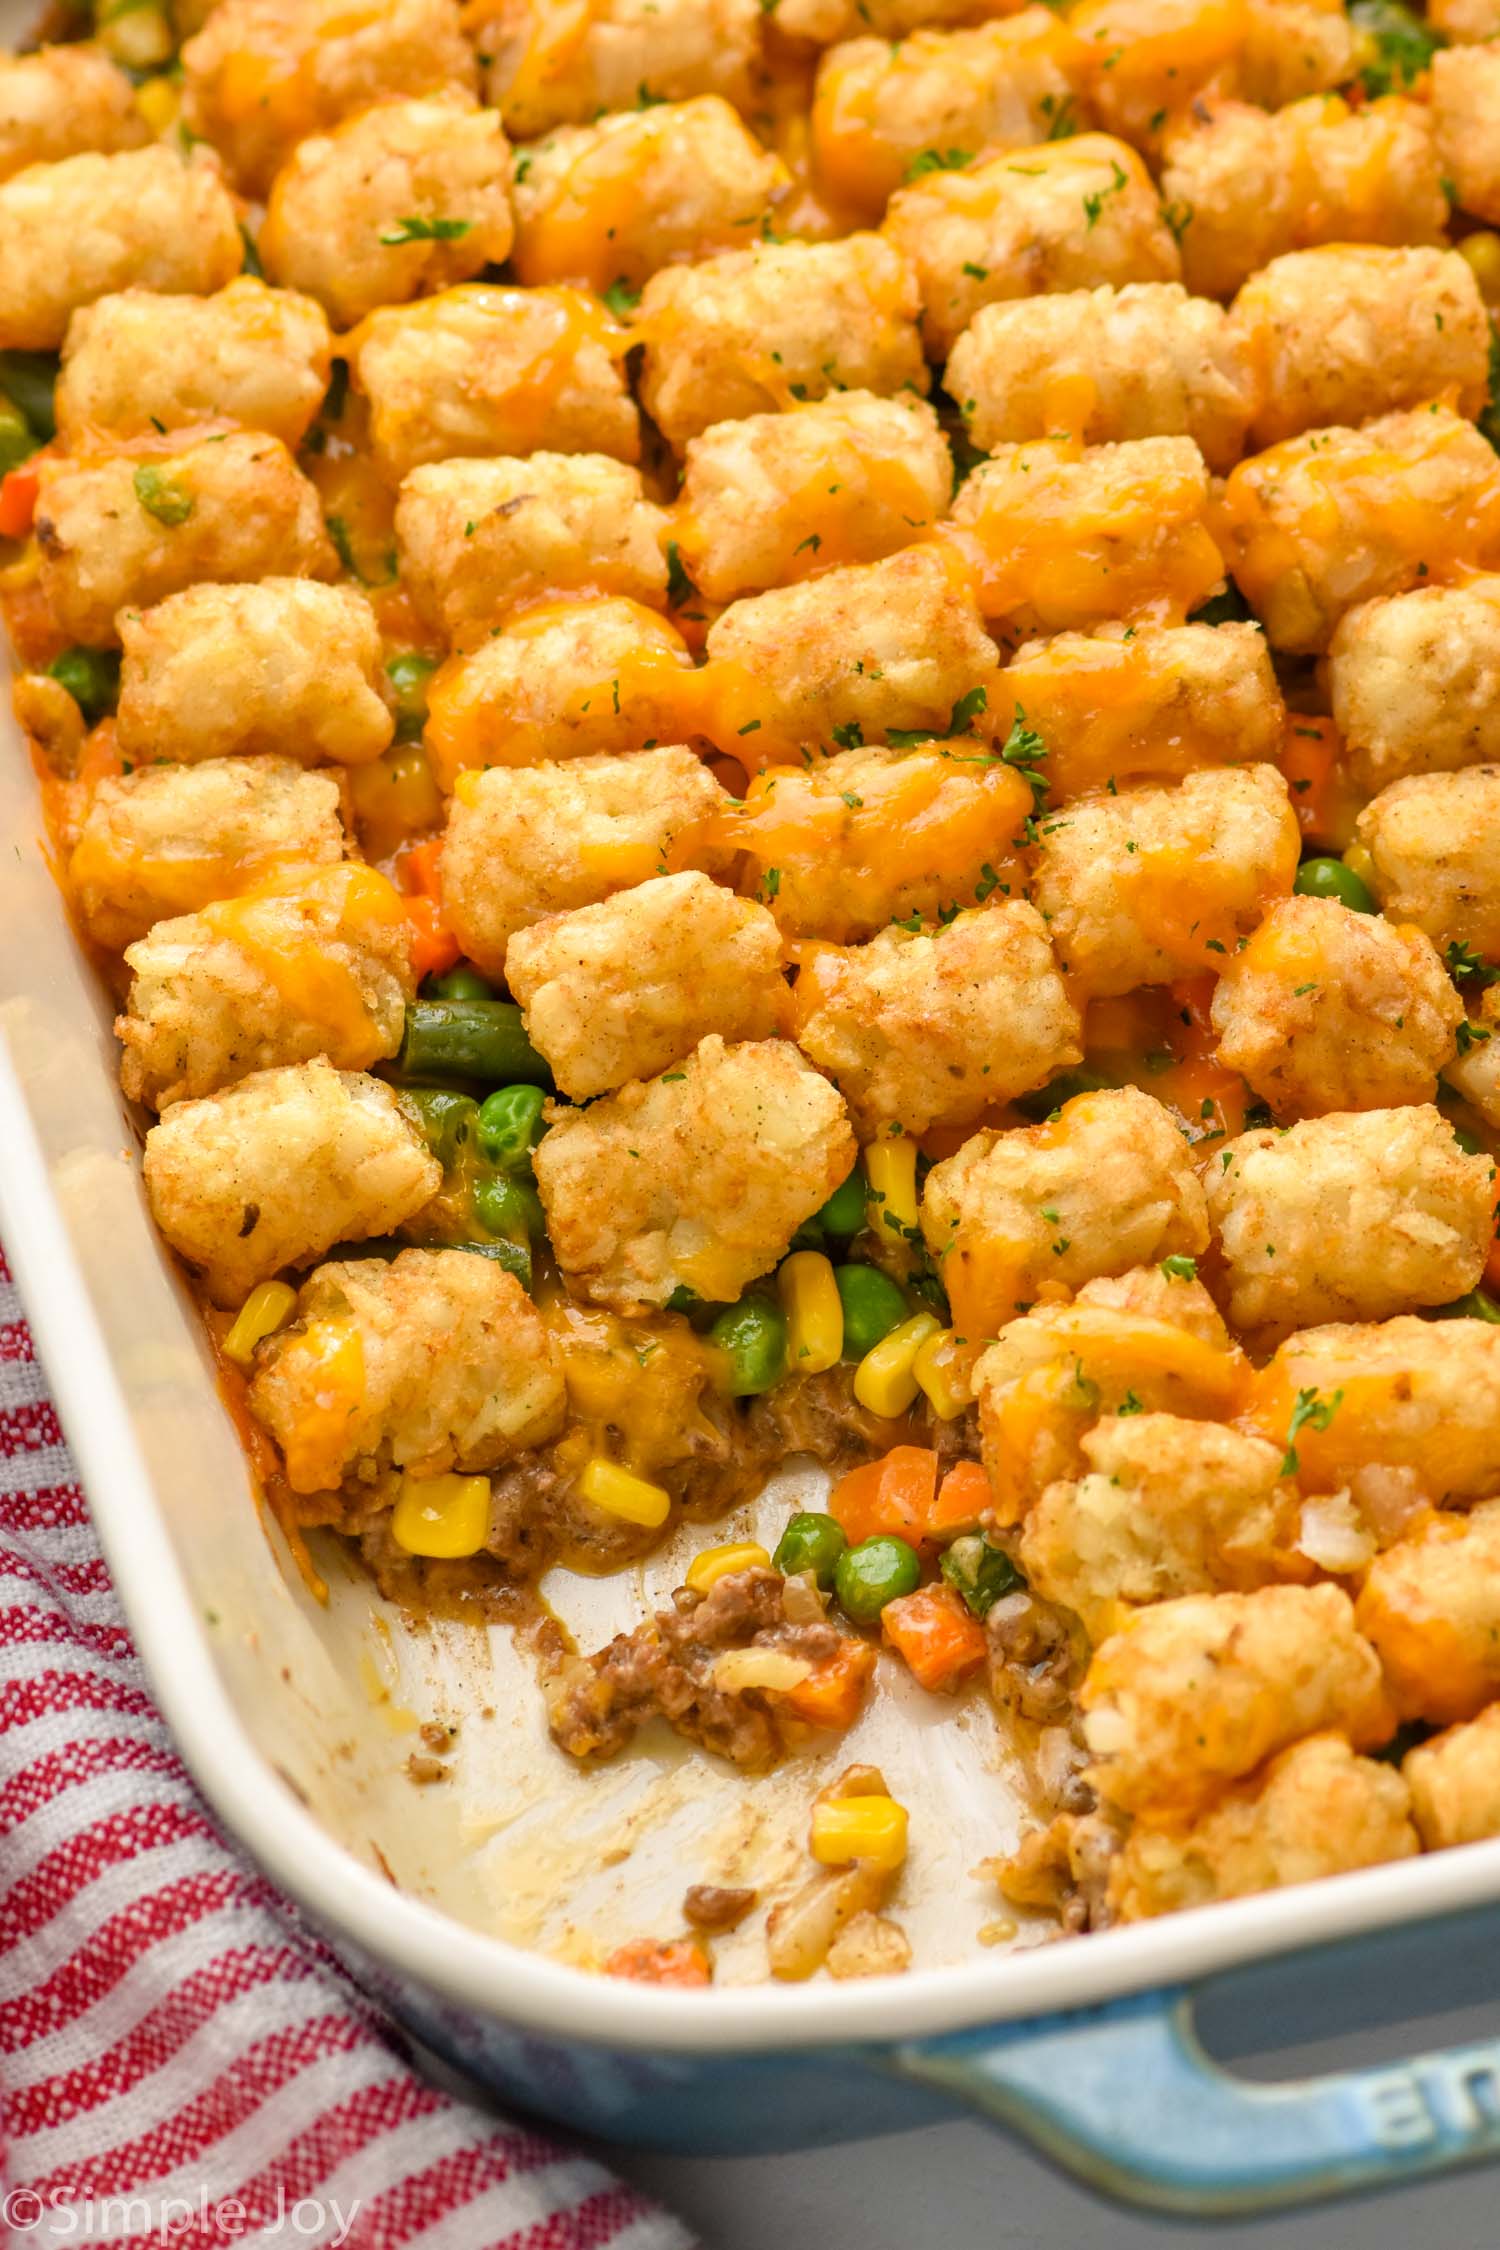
column 844, row 1213
column 28, row 379
column 514, row 1256
column 17, row 440
column 981, row 1573
column 482, row 1039
column 510, row 1125
column 811, row 1542
column 91, row 676
column 752, row 1337
column 448, row 1121
column 1330, row 878
column 875, row 1572
column 1477, row 1305
column 873, row 1306
column 408, row 676
column 461, row 982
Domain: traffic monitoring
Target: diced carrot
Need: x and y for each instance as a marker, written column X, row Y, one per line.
column 940, row 1640
column 1492, row 1267
column 419, row 867
column 678, row 1961
column 1318, row 788
column 962, row 1499
column 891, row 1496
column 18, row 497
column 831, row 1696
column 434, row 948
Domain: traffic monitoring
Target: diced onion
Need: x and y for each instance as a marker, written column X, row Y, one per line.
column 741, row 1668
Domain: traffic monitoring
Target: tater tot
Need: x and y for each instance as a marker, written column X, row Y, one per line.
column 1103, row 364
column 1335, row 517
column 263, row 74
column 477, row 538
column 931, row 1027
column 776, row 497
column 1434, row 849
column 1316, row 1810
column 758, row 329
column 1151, row 57
column 1350, row 1217
column 847, row 658
column 1070, row 215
column 1431, row 1607
column 1414, row 682
column 1466, row 112
column 62, row 101
column 824, row 21
column 1160, row 703
column 526, row 842
column 641, row 189
column 169, row 839
column 543, row 68
column 1244, row 185
column 1454, row 1781
column 628, row 987
column 123, row 530
column 1194, row 1693
column 440, row 1359
column 287, row 667
column 1140, row 1343
column 90, row 225
column 1062, row 538
column 1465, row 22
column 302, row 965
column 1105, row 1185
column 406, row 199
column 1326, row 1009
column 274, row 1171
column 481, row 370
column 874, row 836
column 563, row 680
column 1152, row 884
column 879, row 105
column 1165, row 1507
column 139, row 362
column 697, row 1180
column 1338, row 334
column 1420, row 1397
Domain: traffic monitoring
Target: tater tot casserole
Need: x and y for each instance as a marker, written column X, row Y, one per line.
column 779, row 723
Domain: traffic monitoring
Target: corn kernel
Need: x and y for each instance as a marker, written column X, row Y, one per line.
column 869, row 1829
column 395, row 798
column 1359, row 862
column 444, row 1517
column 158, row 102
column 814, row 1312
column 259, row 1316
column 942, row 1376
column 714, row 1563
column 891, row 1170
column 606, row 1485
column 885, row 1380
column 1481, row 251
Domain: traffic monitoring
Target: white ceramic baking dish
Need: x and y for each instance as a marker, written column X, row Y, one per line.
column 467, row 1904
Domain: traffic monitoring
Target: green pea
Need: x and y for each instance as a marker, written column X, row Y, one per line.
column 813, row 1543
column 408, row 676
column 1469, row 1142
column 752, row 1337
column 505, row 1206
column 17, row 444
column 461, row 982
column 447, row 1120
column 844, row 1213
column 873, row 1306
column 510, row 1125
column 91, row 676
column 979, row 1572
column 1330, row 878
column 875, row 1572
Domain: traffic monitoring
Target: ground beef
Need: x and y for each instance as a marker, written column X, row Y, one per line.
column 664, row 1669
column 1037, row 1655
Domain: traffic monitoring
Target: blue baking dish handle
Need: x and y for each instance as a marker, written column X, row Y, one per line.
column 1125, row 2097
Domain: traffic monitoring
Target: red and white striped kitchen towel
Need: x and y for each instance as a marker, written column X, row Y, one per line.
column 181, row 2060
